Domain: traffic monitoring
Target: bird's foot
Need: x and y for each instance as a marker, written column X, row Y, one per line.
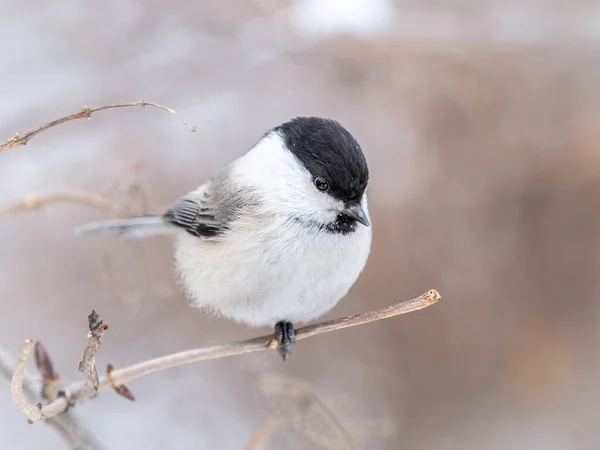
column 285, row 335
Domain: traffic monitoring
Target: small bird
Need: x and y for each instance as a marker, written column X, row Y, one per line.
column 276, row 238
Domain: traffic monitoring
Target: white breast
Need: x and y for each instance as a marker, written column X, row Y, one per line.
column 285, row 272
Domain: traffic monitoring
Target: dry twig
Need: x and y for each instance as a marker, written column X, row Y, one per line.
column 67, row 424
column 19, row 139
column 298, row 403
column 76, row 391
column 87, row 366
column 33, row 412
column 300, row 407
column 293, row 411
column 36, row 201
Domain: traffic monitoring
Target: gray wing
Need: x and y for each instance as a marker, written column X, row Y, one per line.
column 198, row 213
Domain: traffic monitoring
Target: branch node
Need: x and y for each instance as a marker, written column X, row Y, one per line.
column 39, row 407
column 71, row 402
column 51, row 383
column 120, row 389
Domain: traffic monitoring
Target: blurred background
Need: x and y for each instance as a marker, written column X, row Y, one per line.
column 479, row 119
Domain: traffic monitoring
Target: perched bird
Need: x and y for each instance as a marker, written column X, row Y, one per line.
column 278, row 236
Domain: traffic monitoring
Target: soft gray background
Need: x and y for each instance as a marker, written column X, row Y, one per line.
column 480, row 122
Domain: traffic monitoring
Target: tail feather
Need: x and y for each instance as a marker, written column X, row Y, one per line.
column 139, row 227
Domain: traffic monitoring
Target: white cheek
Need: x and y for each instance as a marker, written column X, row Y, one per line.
column 322, row 203
column 281, row 182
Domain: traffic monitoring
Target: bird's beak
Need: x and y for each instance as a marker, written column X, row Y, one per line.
column 355, row 211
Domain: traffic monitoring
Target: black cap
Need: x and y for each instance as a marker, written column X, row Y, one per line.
column 329, row 152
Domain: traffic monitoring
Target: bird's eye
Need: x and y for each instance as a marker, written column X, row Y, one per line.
column 321, row 184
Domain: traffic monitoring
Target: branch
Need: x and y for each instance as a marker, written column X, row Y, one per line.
column 34, row 413
column 67, row 425
column 299, row 398
column 265, row 342
column 77, row 392
column 37, row 201
column 268, row 427
column 19, row 139
column 87, row 366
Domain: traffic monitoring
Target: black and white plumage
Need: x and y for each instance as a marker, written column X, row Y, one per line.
column 279, row 235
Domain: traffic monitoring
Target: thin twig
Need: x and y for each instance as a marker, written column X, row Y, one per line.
column 265, row 342
column 87, row 366
column 37, row 201
column 273, row 421
column 21, row 139
column 296, row 415
column 36, row 412
column 75, row 392
column 300, row 399
column 67, row 424
column 33, row 412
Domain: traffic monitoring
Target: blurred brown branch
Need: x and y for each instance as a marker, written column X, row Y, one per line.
column 21, row 139
column 294, row 409
column 267, row 428
column 36, row 201
column 314, row 419
column 76, row 392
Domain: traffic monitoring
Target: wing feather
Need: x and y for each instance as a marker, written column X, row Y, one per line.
column 196, row 214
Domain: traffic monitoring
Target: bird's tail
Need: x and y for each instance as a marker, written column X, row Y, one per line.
column 138, row 227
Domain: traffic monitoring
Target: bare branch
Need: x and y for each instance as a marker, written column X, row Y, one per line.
column 33, row 412
column 273, row 421
column 37, row 201
column 78, row 391
column 36, row 412
column 87, row 366
column 67, row 425
column 19, row 139
column 266, row 342
column 318, row 417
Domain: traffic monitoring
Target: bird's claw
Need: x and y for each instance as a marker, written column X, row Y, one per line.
column 285, row 335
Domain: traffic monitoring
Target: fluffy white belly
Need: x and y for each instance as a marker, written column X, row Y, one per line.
column 272, row 275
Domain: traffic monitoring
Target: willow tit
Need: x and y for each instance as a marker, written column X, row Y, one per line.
column 278, row 236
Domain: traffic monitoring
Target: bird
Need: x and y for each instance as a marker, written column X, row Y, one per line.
column 278, row 236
